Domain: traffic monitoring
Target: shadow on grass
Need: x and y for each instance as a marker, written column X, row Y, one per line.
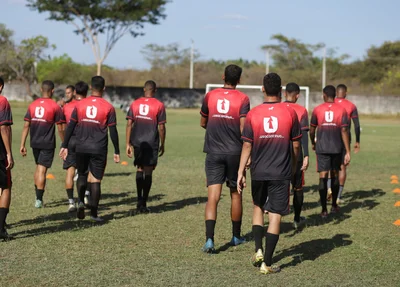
column 312, row 249
column 118, row 174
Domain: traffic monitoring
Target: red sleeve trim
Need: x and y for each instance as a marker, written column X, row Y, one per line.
column 6, row 122
column 243, row 115
column 129, row 118
column 247, row 139
column 203, row 114
column 72, row 119
column 314, row 125
column 112, row 124
column 305, row 128
column 162, row 122
column 295, row 138
column 27, row 120
column 344, row 125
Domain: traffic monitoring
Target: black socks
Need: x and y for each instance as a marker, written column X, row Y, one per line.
column 148, row 180
column 298, row 198
column 139, row 186
column 81, row 185
column 95, row 196
column 210, row 226
column 3, row 216
column 70, row 193
column 270, row 244
column 323, row 190
column 258, row 233
column 39, row 194
column 335, row 191
column 236, row 228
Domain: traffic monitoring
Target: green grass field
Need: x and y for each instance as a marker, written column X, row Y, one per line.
column 359, row 247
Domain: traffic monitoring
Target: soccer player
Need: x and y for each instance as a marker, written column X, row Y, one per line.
column 352, row 113
column 94, row 116
column 145, row 127
column 292, row 94
column 271, row 135
column 332, row 123
column 223, row 115
column 40, row 119
column 6, row 161
column 80, row 90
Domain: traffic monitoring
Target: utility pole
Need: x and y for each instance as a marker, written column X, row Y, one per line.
column 324, row 69
column 266, row 61
column 191, row 66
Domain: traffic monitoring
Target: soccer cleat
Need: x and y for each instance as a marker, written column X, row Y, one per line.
column 71, row 207
column 80, row 213
column 264, row 269
column 5, row 236
column 87, row 200
column 329, row 195
column 300, row 223
column 76, row 175
column 237, row 241
column 38, row 203
column 324, row 214
column 335, row 210
column 209, row 246
column 144, row 209
column 96, row 219
column 339, row 201
column 257, row 258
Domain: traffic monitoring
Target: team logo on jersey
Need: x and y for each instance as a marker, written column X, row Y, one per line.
column 91, row 112
column 329, row 116
column 39, row 112
column 270, row 125
column 144, row 109
column 223, row 106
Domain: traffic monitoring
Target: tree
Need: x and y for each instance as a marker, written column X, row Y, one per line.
column 112, row 18
column 18, row 61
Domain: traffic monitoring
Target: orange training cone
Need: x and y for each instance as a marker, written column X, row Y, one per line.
column 397, row 204
column 394, row 181
column 396, row 190
column 397, row 222
column 124, row 163
column 394, row 177
column 50, row 176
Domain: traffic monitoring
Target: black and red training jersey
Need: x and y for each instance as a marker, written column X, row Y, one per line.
column 329, row 118
column 43, row 114
column 224, row 108
column 93, row 115
column 147, row 114
column 270, row 128
column 5, row 120
column 302, row 116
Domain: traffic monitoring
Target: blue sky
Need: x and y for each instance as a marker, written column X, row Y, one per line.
column 229, row 29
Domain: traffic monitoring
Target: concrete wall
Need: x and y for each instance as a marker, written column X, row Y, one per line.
column 121, row 97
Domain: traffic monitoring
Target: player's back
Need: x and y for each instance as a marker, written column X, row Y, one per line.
column 43, row 114
column 350, row 108
column 67, row 109
column 274, row 126
column 330, row 118
column 5, row 119
column 147, row 114
column 224, row 109
column 94, row 115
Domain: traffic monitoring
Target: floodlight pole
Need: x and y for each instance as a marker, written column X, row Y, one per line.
column 324, row 69
column 191, row 65
column 266, row 61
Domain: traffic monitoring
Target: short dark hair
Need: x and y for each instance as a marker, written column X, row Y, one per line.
column 233, row 74
column 330, row 91
column 272, row 84
column 81, row 88
column 98, row 83
column 292, row 88
column 341, row 87
column 47, row 86
column 150, row 85
column 70, row 87
column 1, row 81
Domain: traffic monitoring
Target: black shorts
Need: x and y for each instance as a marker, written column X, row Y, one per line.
column 272, row 195
column 222, row 168
column 43, row 157
column 298, row 178
column 145, row 156
column 5, row 175
column 328, row 162
column 70, row 161
column 96, row 163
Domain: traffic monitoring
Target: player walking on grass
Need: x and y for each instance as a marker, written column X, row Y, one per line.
column 332, row 123
column 145, row 127
column 271, row 134
column 94, row 116
column 292, row 94
column 73, row 95
column 40, row 119
column 352, row 113
column 6, row 161
column 222, row 115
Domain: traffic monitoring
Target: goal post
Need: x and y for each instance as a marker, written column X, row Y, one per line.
column 254, row 93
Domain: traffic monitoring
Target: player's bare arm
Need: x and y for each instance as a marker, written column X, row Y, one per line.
column 25, row 132
column 296, row 152
column 312, row 136
column 129, row 149
column 346, row 142
column 6, row 135
column 244, row 158
column 61, row 131
column 203, row 122
column 163, row 132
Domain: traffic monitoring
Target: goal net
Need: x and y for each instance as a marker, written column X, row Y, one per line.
column 256, row 96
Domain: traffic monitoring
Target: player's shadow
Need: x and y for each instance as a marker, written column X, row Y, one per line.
column 311, row 250
column 118, row 174
column 310, row 188
column 248, row 237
